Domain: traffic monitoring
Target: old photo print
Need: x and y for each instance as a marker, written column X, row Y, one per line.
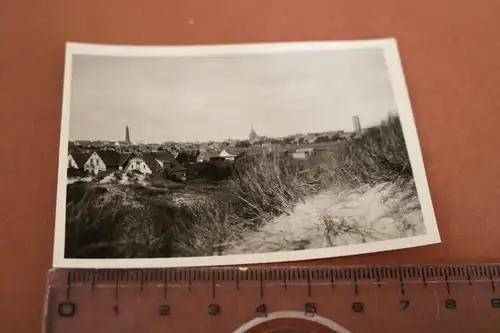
column 237, row 154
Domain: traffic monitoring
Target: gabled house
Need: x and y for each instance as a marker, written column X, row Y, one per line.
column 165, row 159
column 78, row 160
column 227, row 155
column 94, row 164
column 107, row 160
column 204, row 156
column 71, row 162
column 171, row 167
column 145, row 164
column 187, row 157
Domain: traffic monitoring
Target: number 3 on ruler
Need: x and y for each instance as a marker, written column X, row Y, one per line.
column 262, row 309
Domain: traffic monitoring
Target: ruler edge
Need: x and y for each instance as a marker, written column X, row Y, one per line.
column 491, row 269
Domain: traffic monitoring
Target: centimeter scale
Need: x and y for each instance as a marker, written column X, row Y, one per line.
column 427, row 298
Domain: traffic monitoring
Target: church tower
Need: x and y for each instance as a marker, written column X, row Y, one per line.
column 127, row 134
column 253, row 135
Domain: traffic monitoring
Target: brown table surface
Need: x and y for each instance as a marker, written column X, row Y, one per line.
column 451, row 55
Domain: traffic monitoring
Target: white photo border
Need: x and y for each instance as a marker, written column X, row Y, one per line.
column 402, row 100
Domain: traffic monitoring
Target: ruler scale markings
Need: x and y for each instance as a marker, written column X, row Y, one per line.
column 68, row 286
column 151, row 276
column 261, row 283
column 481, row 271
column 444, row 274
column 433, row 272
column 355, row 282
column 407, row 272
column 383, row 273
column 469, row 280
column 213, row 285
column 343, row 273
column 102, row 276
column 243, row 275
column 492, row 283
column 308, row 276
column 332, row 277
column 388, row 273
column 418, row 271
column 321, row 274
column 165, row 284
column 476, row 271
column 377, row 273
column 142, row 277
column 401, row 282
column 117, row 282
column 424, row 276
column 92, row 283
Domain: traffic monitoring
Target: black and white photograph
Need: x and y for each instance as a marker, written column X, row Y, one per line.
column 207, row 155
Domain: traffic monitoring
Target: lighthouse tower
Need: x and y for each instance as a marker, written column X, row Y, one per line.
column 127, row 134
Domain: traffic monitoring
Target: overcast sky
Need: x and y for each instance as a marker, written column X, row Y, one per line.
column 219, row 97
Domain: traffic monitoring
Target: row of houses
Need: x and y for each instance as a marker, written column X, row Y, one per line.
column 172, row 164
column 109, row 160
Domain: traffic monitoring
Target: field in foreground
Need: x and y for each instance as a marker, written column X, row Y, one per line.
column 363, row 193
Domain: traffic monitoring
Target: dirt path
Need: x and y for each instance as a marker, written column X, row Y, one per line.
column 334, row 219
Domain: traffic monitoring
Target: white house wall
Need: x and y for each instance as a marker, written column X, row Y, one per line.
column 138, row 164
column 95, row 164
column 227, row 156
column 299, row 156
column 72, row 163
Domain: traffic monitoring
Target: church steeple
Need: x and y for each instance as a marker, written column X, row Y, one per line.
column 253, row 135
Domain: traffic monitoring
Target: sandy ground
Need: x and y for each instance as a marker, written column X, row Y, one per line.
column 334, row 219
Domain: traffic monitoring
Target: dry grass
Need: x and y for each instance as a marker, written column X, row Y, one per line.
column 380, row 156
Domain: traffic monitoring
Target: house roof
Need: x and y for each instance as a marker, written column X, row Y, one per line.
column 206, row 155
column 165, row 156
column 113, row 158
column 187, row 156
column 228, row 152
column 80, row 158
column 150, row 160
column 178, row 168
column 72, row 148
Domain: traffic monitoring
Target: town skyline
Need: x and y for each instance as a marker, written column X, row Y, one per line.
column 127, row 135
